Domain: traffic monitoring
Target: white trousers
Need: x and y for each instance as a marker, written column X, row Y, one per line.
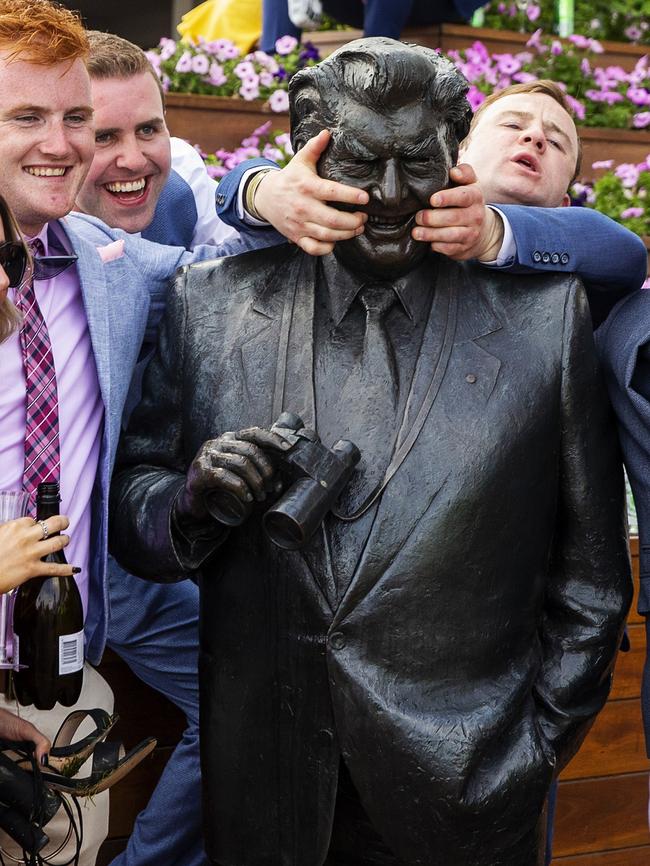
column 95, row 693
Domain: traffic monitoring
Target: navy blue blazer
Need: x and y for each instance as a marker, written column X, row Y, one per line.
column 623, row 343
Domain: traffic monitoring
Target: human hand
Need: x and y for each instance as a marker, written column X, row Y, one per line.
column 12, row 727
column 460, row 225
column 22, row 545
column 235, row 464
column 297, row 202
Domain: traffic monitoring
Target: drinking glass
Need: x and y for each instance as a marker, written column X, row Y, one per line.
column 13, row 503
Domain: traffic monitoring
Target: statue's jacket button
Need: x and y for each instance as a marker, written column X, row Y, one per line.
column 337, row 640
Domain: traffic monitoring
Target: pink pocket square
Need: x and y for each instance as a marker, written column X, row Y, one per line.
column 112, row 251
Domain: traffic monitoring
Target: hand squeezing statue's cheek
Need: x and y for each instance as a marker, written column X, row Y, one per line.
column 400, row 159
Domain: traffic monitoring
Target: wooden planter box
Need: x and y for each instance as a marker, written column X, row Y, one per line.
column 460, row 36
column 218, row 121
column 621, row 145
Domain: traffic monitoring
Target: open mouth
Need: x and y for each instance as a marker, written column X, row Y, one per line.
column 128, row 191
column 527, row 162
column 46, row 170
column 390, row 225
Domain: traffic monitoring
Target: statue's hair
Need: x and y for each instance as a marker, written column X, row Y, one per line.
column 112, row 56
column 378, row 73
column 41, row 32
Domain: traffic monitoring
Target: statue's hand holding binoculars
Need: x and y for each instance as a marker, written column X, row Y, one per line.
column 233, row 472
column 235, row 469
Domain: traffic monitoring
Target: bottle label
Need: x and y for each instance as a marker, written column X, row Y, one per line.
column 71, row 653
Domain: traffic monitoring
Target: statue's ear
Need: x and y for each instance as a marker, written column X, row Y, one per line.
column 306, row 115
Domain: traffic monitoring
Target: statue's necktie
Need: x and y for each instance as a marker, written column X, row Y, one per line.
column 42, row 418
column 370, row 392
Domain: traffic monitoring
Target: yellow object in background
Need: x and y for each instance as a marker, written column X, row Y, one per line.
column 237, row 20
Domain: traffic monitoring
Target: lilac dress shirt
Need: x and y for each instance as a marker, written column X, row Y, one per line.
column 81, row 411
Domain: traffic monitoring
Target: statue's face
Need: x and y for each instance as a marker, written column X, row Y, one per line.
column 400, row 158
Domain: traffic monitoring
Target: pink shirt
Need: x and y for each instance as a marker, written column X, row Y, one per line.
column 81, row 410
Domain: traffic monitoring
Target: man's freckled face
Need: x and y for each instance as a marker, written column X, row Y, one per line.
column 132, row 156
column 398, row 159
column 46, row 138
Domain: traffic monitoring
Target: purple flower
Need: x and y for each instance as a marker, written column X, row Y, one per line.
column 216, row 76
column 309, row 52
column 631, row 212
column 641, row 120
column 273, row 153
column 266, row 79
column 535, row 40
column 533, row 12
column 263, row 129
column 167, row 48
column 250, row 141
column 556, row 48
column 285, row 45
column 602, row 163
column 184, row 63
column 585, row 66
column 633, row 33
column 638, row 95
column 507, row 64
column 579, row 41
column 475, row 97
column 249, row 90
column 524, row 77
column 281, row 74
column 284, row 141
column 228, row 52
column 627, row 173
column 155, row 59
column 279, row 101
column 200, row 64
column 576, row 106
column 244, row 69
column 216, row 171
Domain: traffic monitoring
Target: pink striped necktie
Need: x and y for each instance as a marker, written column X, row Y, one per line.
column 42, row 419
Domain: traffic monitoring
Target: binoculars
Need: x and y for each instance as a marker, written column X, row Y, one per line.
column 313, row 475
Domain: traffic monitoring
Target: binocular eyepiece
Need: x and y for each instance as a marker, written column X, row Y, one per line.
column 314, row 476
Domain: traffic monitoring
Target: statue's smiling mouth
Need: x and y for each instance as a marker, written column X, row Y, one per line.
column 389, row 224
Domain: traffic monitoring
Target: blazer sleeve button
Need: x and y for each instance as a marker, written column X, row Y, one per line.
column 537, row 256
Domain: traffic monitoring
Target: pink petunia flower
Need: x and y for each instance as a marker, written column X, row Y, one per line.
column 184, row 62
column 279, row 101
column 631, row 212
column 200, row 64
column 286, row 44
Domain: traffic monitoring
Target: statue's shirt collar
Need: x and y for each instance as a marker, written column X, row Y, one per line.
column 342, row 286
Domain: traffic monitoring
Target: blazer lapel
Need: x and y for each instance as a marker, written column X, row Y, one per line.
column 468, row 382
column 277, row 351
column 95, row 296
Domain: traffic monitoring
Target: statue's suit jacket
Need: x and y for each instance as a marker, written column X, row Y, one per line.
column 475, row 641
column 623, row 344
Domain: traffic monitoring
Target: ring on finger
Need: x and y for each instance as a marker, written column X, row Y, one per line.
column 44, row 529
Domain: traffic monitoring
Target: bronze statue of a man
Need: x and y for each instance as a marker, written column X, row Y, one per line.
column 403, row 688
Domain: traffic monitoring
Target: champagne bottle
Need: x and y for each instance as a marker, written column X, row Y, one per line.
column 48, row 628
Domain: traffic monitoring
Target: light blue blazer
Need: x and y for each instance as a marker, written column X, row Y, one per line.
column 124, row 300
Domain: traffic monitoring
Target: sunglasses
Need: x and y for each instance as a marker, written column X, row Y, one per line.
column 13, row 258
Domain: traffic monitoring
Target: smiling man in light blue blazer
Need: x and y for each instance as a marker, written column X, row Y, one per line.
column 114, row 294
